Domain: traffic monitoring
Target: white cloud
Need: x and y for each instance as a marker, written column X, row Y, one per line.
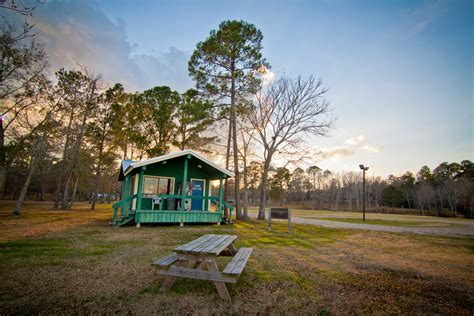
column 356, row 141
column 351, row 147
column 266, row 74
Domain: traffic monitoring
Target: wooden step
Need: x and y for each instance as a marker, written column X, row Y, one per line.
column 125, row 220
column 167, row 261
column 237, row 265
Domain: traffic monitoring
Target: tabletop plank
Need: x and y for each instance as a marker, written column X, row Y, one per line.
column 206, row 248
column 222, row 246
column 192, row 244
column 207, row 244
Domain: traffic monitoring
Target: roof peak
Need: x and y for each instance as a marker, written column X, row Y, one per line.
column 173, row 155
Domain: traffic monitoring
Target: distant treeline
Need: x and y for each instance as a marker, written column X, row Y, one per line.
column 448, row 190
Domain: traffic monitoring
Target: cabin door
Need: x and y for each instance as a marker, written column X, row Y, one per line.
column 198, row 186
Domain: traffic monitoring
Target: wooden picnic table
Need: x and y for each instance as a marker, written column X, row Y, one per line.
column 197, row 260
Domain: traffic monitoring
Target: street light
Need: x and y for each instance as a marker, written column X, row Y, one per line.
column 364, row 169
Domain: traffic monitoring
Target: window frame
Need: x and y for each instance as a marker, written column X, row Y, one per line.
column 158, row 186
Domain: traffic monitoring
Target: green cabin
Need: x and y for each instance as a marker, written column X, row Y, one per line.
column 153, row 190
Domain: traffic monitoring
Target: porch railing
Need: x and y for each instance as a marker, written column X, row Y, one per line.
column 125, row 206
column 205, row 198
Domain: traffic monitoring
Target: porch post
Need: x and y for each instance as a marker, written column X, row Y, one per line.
column 220, row 196
column 206, row 194
column 140, row 188
column 125, row 194
column 184, row 184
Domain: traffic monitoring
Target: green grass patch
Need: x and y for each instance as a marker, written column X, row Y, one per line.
column 45, row 252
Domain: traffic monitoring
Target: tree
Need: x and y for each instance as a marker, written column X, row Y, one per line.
column 255, row 172
column 297, row 183
column 159, row 105
column 283, row 113
column 37, row 125
column 224, row 67
column 279, row 183
column 100, row 134
column 194, row 116
column 128, row 128
column 392, row 196
column 407, row 185
column 313, row 172
column 78, row 91
column 23, row 67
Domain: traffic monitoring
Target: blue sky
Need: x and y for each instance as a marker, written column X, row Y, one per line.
column 399, row 73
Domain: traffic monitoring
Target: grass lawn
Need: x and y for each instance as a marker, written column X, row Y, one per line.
column 72, row 262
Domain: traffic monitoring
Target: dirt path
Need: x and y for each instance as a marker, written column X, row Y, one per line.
column 462, row 230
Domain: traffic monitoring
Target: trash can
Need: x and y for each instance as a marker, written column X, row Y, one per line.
column 171, row 205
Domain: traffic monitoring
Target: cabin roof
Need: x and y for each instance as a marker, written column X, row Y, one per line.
column 129, row 165
column 123, row 167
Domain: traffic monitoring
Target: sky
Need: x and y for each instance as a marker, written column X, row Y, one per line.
column 399, row 73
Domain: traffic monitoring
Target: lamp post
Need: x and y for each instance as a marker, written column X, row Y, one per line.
column 364, row 169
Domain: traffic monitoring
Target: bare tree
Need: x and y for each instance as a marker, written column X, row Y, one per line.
column 284, row 112
column 424, row 193
column 22, row 78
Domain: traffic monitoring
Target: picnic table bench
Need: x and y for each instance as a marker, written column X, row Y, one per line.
column 197, row 260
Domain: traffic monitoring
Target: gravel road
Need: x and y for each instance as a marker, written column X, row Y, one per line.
column 463, row 229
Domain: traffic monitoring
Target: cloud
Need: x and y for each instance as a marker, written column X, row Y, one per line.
column 356, row 141
column 350, row 147
column 266, row 74
column 421, row 17
column 172, row 66
column 79, row 33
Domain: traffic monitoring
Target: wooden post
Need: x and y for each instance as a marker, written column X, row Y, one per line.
column 220, row 286
column 206, row 195
column 140, row 188
column 269, row 219
column 219, row 209
column 184, row 184
column 289, row 221
column 126, row 207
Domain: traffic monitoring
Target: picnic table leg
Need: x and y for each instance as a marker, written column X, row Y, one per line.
column 170, row 280
column 220, row 286
column 231, row 250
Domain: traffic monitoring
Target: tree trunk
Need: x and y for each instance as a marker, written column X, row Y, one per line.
column 42, row 188
column 24, row 189
column 77, row 147
column 74, row 190
column 98, row 172
column 227, row 160
column 233, row 118
column 408, row 198
column 246, row 190
column 3, row 160
column 263, row 190
column 65, row 167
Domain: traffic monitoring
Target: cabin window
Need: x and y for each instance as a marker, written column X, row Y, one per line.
column 158, row 185
column 132, row 185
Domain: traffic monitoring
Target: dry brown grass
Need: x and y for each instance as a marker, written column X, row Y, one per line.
column 73, row 263
column 39, row 219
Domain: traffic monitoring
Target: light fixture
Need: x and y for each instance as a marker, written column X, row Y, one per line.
column 164, row 162
column 199, row 166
